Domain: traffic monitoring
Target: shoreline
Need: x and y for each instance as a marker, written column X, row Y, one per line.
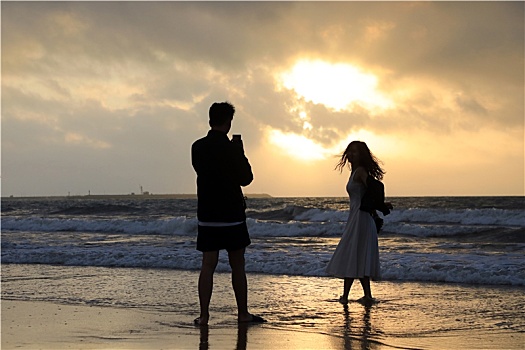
column 49, row 325
column 75, row 307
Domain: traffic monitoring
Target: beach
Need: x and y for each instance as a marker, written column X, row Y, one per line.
column 41, row 325
column 58, row 307
column 44, row 325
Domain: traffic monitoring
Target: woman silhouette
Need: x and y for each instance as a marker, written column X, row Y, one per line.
column 357, row 254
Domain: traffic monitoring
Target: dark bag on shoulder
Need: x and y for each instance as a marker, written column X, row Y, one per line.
column 374, row 199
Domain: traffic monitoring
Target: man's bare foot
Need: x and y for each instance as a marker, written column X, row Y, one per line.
column 249, row 318
column 200, row 321
column 343, row 300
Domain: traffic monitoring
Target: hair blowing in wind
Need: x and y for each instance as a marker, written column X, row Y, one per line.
column 366, row 160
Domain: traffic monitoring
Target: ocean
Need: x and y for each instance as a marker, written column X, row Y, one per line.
column 475, row 240
column 453, row 269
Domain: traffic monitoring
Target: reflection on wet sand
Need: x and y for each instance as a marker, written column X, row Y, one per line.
column 357, row 329
column 204, row 336
column 242, row 337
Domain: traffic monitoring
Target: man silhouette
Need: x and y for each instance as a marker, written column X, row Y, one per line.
column 222, row 168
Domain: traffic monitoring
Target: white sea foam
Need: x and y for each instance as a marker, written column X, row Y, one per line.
column 293, row 239
column 319, row 215
column 309, row 223
column 173, row 226
column 397, row 263
column 459, row 268
column 451, row 216
column 464, row 217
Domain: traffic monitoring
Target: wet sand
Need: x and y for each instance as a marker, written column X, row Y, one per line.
column 45, row 325
column 57, row 307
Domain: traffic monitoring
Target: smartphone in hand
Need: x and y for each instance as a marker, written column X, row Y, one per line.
column 236, row 140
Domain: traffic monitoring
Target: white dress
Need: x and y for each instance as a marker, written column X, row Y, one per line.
column 357, row 254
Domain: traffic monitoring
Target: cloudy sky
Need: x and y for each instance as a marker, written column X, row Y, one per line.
column 104, row 97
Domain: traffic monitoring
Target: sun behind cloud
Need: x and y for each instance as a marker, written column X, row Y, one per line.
column 335, row 85
column 301, row 147
column 338, row 87
column 297, row 146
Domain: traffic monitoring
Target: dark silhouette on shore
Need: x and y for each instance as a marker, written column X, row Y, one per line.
column 222, row 168
column 357, row 254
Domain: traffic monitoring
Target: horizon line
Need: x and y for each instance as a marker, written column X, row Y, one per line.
column 194, row 196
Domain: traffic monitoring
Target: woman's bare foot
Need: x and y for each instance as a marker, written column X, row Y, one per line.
column 367, row 301
column 201, row 321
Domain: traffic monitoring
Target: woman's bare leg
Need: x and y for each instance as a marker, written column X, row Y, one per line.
column 365, row 283
column 346, row 290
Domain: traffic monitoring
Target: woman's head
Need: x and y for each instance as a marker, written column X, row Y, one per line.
column 358, row 154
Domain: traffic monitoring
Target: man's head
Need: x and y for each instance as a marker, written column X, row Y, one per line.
column 221, row 115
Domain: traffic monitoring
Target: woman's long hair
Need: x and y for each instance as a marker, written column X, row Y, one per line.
column 366, row 160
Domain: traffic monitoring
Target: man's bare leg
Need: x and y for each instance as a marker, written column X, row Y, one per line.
column 239, row 283
column 240, row 287
column 209, row 263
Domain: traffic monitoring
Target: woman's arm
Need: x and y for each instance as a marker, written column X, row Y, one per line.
column 360, row 175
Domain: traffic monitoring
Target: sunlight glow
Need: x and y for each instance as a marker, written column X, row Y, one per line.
column 297, row 146
column 336, row 86
column 301, row 147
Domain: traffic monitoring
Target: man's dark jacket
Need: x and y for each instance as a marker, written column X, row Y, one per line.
column 222, row 169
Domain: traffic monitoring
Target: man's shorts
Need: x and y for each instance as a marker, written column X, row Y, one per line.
column 231, row 238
